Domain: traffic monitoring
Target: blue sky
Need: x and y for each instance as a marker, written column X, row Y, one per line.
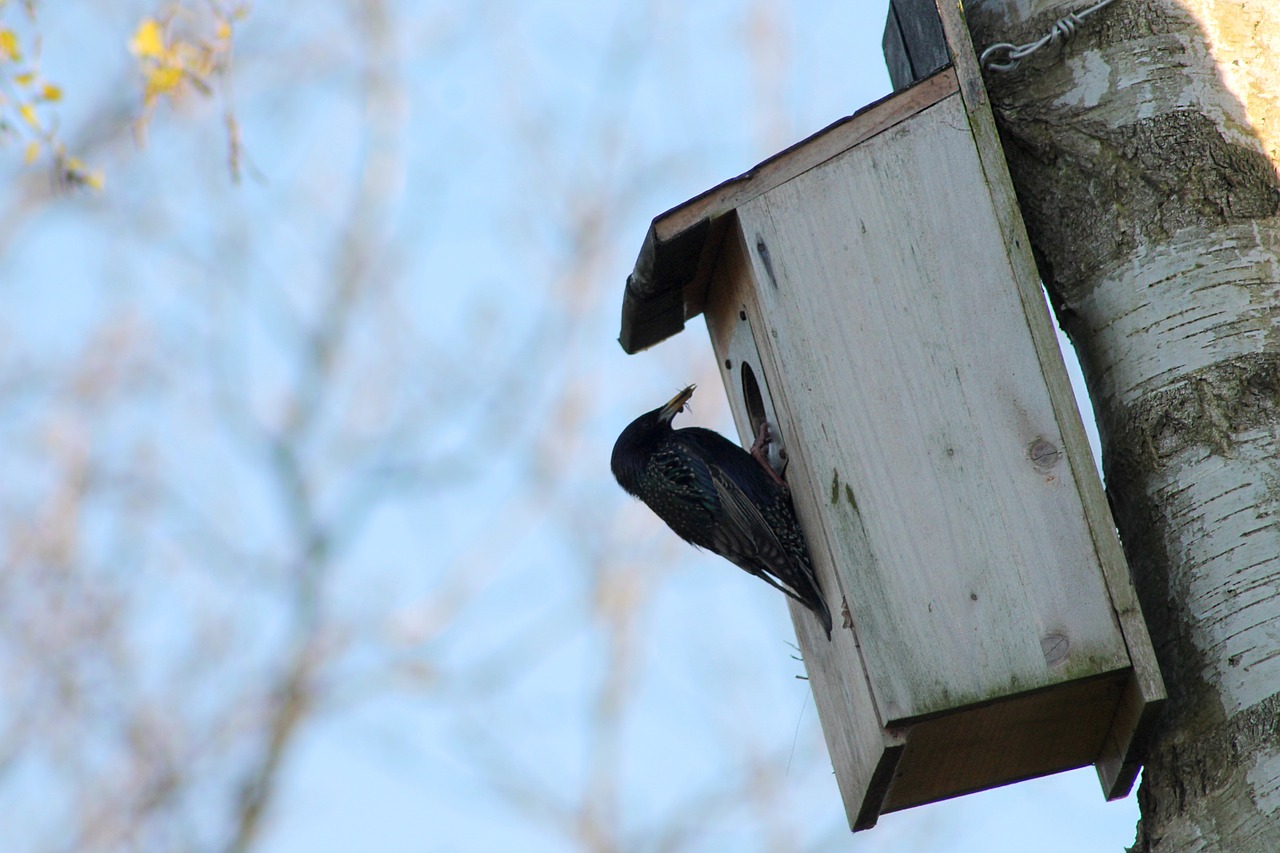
column 514, row 154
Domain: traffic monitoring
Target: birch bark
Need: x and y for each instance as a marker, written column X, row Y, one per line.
column 1144, row 155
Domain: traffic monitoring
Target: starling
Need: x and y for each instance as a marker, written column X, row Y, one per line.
column 717, row 496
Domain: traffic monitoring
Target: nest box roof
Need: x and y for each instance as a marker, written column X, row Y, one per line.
column 669, row 282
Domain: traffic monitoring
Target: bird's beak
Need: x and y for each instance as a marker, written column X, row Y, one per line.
column 675, row 404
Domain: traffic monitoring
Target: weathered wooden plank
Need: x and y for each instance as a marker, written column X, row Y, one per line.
column 1148, row 688
column 895, row 52
column 1015, row 739
column 913, row 42
column 862, row 752
column 652, row 313
column 829, row 142
column 902, row 373
column 1120, row 757
column 666, row 286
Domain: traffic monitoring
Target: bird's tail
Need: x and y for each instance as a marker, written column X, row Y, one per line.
column 819, row 607
column 807, row 592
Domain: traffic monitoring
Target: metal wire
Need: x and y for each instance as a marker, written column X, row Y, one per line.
column 1063, row 30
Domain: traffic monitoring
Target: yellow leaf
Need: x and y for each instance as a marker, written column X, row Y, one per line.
column 148, row 40
column 9, row 45
column 28, row 114
column 162, row 80
column 32, row 152
column 51, row 92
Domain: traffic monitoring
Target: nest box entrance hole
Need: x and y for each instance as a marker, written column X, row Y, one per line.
column 751, row 397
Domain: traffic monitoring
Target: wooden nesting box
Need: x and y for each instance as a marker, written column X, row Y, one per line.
column 871, row 292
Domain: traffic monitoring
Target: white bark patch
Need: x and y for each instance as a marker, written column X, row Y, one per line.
column 1205, row 297
column 1091, row 82
column 1237, row 48
column 1222, row 518
column 1118, row 88
column 1264, row 781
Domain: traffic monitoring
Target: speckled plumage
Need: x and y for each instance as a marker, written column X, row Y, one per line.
column 715, row 495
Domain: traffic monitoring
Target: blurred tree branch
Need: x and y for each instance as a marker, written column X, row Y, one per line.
column 297, row 464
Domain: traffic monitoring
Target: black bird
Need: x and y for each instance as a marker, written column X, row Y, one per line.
column 717, row 496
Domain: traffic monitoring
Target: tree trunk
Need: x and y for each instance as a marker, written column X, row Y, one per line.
column 1144, row 155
